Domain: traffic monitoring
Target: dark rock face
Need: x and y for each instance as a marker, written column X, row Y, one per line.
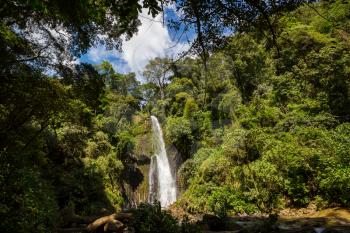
column 143, row 160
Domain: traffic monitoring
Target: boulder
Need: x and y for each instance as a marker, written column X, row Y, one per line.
column 213, row 222
column 93, row 227
column 114, row 226
column 115, row 221
column 124, row 217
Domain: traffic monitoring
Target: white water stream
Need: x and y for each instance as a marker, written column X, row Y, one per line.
column 162, row 184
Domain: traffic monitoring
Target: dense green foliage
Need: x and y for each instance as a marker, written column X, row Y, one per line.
column 66, row 146
column 261, row 124
column 280, row 121
column 150, row 218
column 64, row 142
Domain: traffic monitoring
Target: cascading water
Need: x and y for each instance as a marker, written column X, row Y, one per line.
column 162, row 184
column 152, row 180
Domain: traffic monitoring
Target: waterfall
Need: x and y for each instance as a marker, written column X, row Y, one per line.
column 162, row 184
column 152, row 178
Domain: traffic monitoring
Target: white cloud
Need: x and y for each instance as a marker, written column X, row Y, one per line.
column 96, row 54
column 99, row 53
column 152, row 40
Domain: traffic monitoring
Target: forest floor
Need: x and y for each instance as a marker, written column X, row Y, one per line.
column 287, row 220
column 333, row 219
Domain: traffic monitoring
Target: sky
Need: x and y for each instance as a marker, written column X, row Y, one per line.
column 152, row 40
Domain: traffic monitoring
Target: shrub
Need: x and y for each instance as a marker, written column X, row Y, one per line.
column 150, row 218
column 31, row 205
column 189, row 168
column 224, row 200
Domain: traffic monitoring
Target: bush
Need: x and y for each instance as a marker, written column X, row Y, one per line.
column 150, row 218
column 224, row 200
column 189, row 168
column 109, row 169
column 336, row 185
column 30, row 206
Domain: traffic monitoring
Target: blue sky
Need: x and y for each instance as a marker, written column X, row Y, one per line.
column 152, row 40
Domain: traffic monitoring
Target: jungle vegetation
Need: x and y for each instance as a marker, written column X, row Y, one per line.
column 260, row 117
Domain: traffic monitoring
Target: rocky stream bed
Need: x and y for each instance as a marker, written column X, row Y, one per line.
column 332, row 220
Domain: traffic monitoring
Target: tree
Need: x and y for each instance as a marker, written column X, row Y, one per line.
column 158, row 72
column 212, row 20
column 248, row 64
column 48, row 33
